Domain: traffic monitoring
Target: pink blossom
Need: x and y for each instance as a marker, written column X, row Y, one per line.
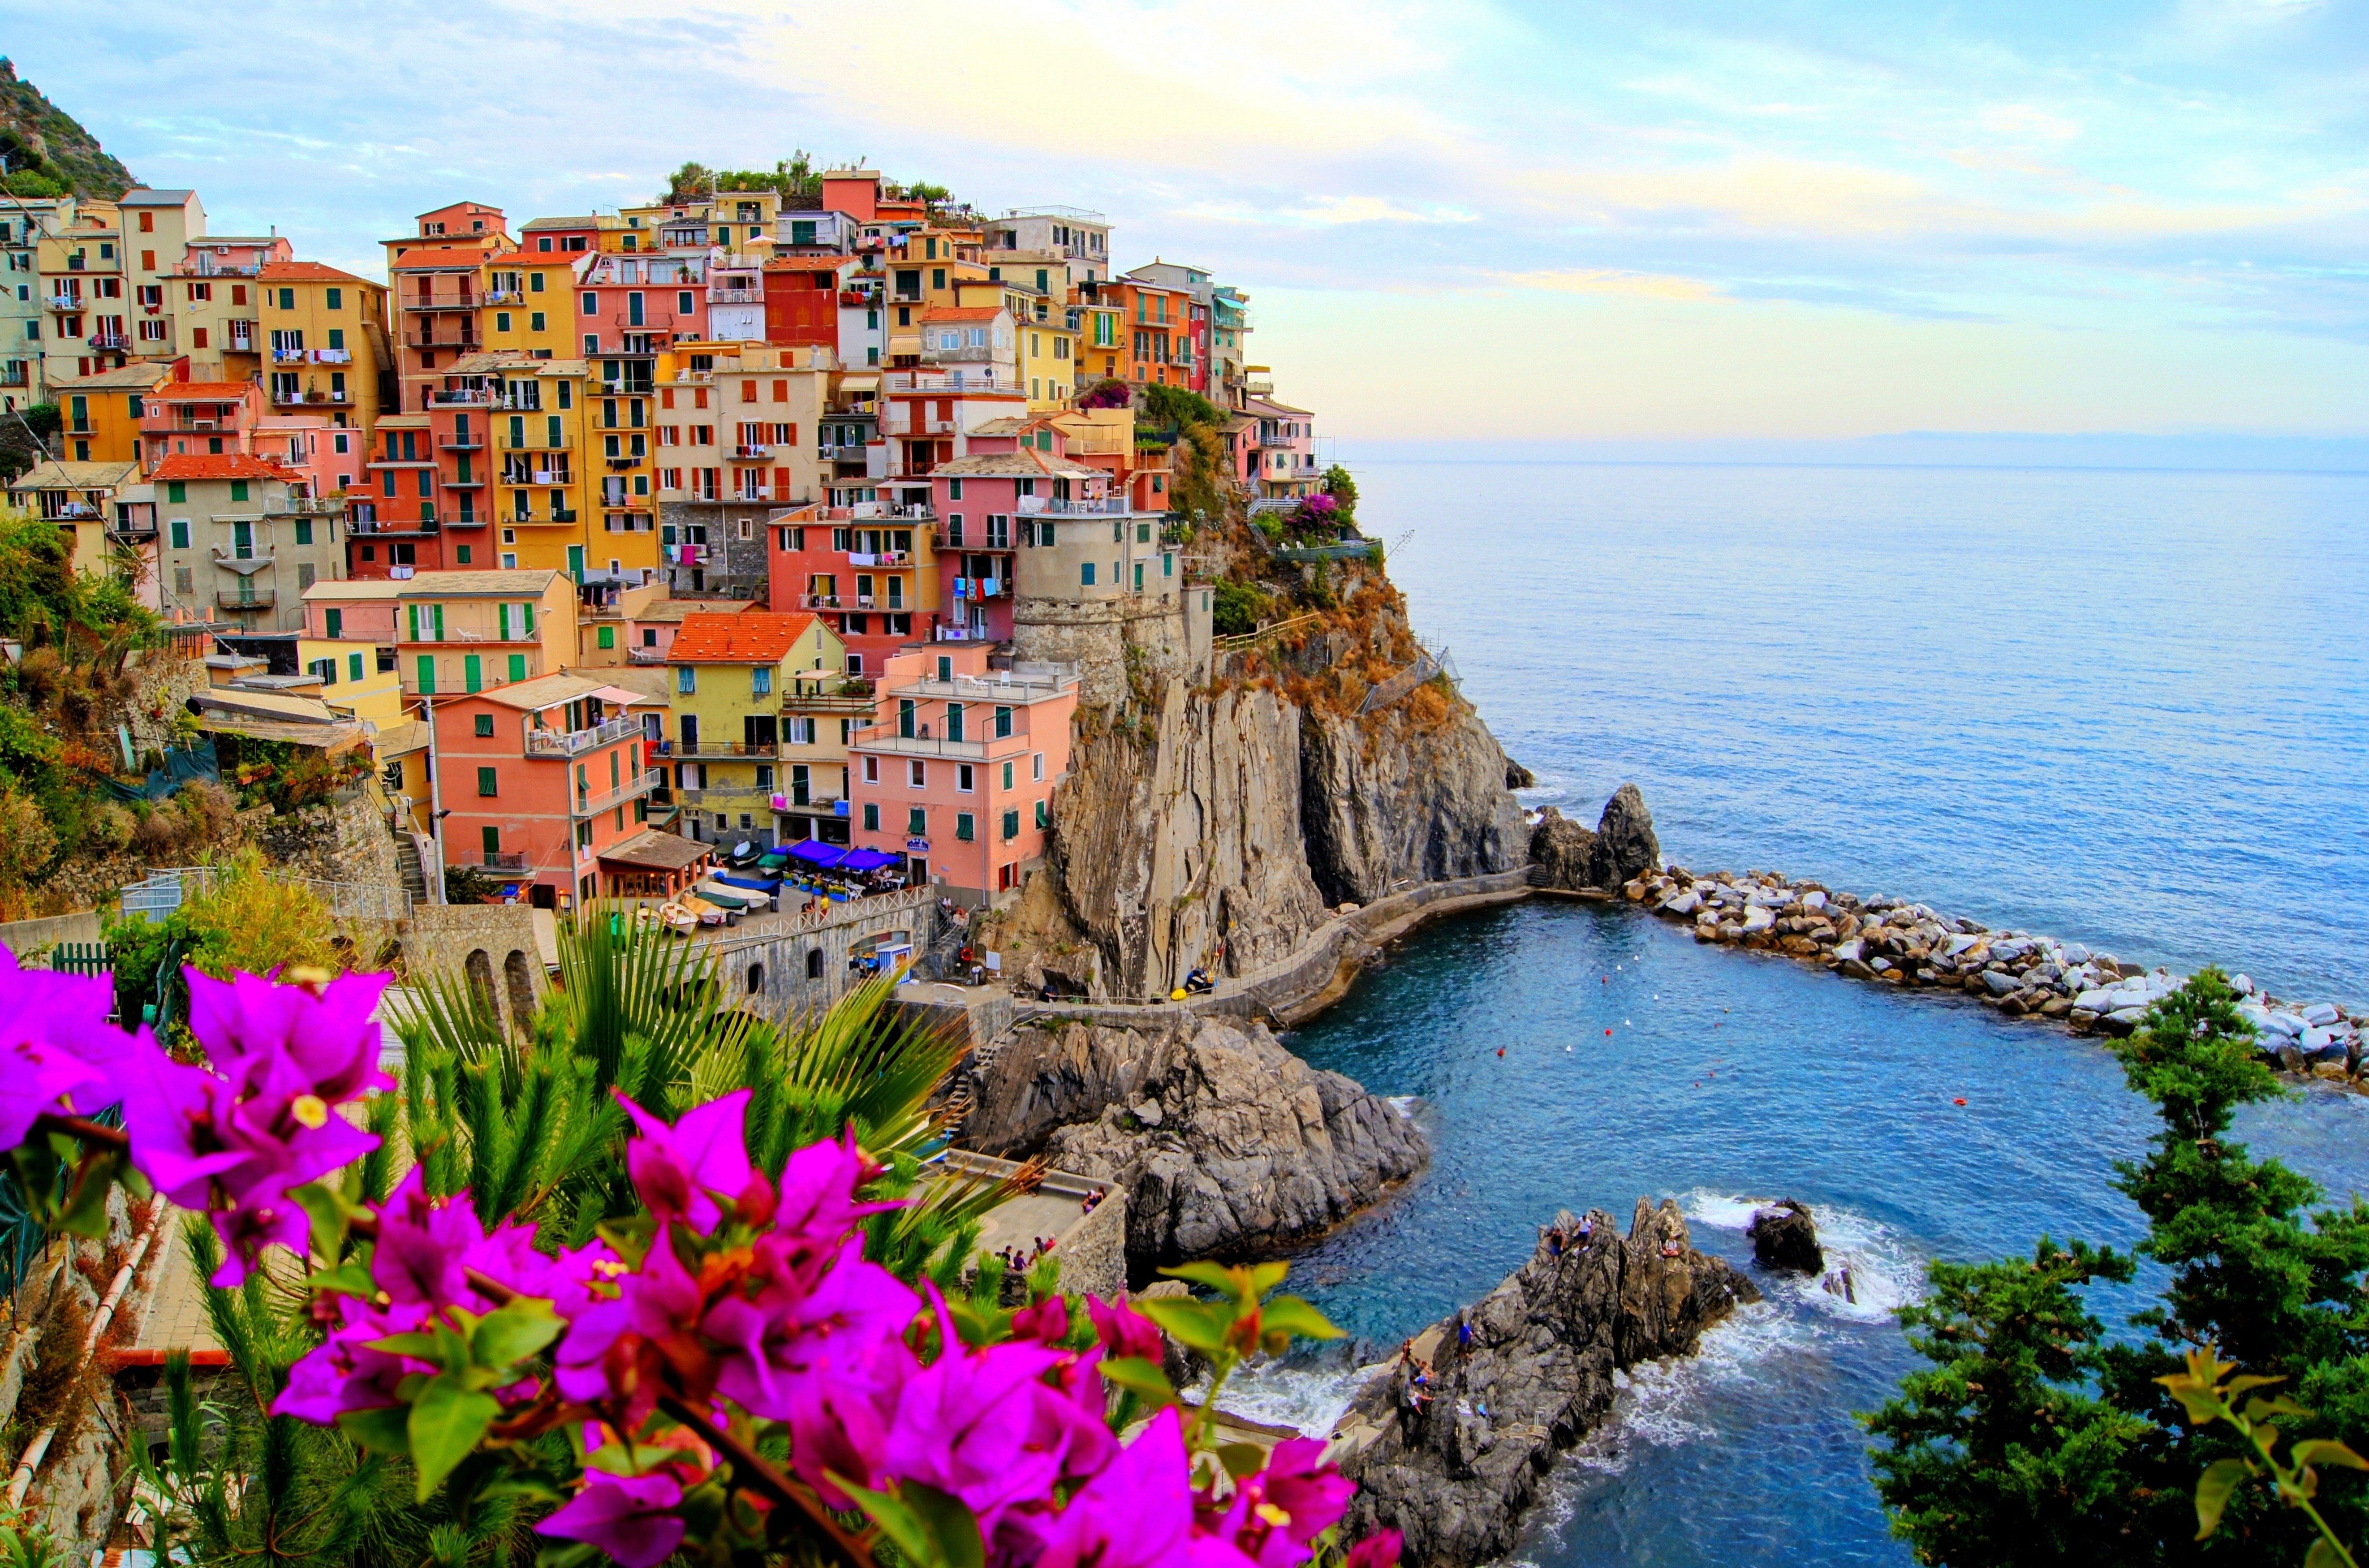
column 1124, row 1331
column 247, row 1024
column 1379, row 1550
column 344, row 1373
column 54, row 1036
column 1046, row 1322
column 1274, row 1516
column 1136, row 1514
column 678, row 1170
column 626, row 1516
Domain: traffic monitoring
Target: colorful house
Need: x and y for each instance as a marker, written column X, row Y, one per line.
column 537, row 780
column 957, row 774
column 737, row 756
column 872, row 575
column 180, row 418
column 325, row 337
column 240, row 540
column 1279, row 451
column 217, row 292
column 82, row 499
column 736, row 434
column 454, row 631
column 101, row 416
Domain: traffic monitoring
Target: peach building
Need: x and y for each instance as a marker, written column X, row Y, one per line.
column 957, row 774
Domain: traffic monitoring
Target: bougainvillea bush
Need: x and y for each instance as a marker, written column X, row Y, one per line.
column 726, row 1371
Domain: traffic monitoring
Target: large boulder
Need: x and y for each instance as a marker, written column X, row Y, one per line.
column 1224, row 1142
column 1452, row 1462
column 1784, row 1237
column 1577, row 861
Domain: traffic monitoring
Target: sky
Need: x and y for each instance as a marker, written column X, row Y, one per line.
column 1457, row 220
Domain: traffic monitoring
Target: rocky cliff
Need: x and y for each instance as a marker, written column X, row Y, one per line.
column 1213, row 825
column 1453, row 1460
column 1224, row 1142
column 1571, row 859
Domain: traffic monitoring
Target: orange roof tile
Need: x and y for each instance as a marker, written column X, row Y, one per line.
column 306, row 272
column 441, row 255
column 966, row 313
column 221, row 465
column 206, row 391
column 754, row 636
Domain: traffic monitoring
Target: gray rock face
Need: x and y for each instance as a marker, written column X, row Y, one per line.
column 1783, row 1236
column 1247, row 1148
column 1455, row 1471
column 1622, row 847
column 1391, row 801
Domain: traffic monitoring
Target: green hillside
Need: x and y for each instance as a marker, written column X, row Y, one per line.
column 48, row 151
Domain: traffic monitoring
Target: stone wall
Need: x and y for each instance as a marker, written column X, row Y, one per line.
column 345, row 840
column 792, row 964
column 496, row 948
column 1117, row 643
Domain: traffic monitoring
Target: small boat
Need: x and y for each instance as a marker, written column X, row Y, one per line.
column 676, row 918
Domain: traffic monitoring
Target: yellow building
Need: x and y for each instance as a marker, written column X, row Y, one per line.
column 158, row 227
column 738, row 743
column 1045, row 332
column 85, row 306
column 325, row 333
column 530, row 303
column 82, row 499
column 361, row 682
column 99, row 415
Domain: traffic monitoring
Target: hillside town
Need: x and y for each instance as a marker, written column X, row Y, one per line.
column 757, row 525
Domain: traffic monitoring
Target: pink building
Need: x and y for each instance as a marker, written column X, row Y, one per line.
column 633, row 305
column 958, row 776
column 215, row 418
column 987, row 503
column 328, row 457
column 541, row 779
column 1277, row 448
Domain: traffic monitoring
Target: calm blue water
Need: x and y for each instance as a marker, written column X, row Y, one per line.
column 2119, row 707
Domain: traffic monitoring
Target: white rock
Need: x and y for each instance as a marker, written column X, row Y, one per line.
column 2101, row 1000
column 2286, row 1024
column 2320, row 1015
column 1685, row 903
column 2243, row 985
column 2132, row 1016
column 1760, row 918
column 1851, row 949
column 1814, row 901
column 1958, row 945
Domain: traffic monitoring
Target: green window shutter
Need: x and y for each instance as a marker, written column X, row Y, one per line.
column 333, row 621
column 528, row 629
column 473, row 673
column 303, row 531
column 917, row 821
column 492, row 838
column 238, row 490
column 353, row 667
column 1011, row 824
column 180, row 533
column 485, row 725
column 871, row 817
column 175, row 491
column 518, row 667
column 438, row 611
column 427, row 673
column 1044, row 814
column 608, row 636
column 963, row 829
column 487, row 782
column 415, row 620
column 1007, row 775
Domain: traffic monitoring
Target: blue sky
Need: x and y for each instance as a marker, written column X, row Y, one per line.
column 1457, row 220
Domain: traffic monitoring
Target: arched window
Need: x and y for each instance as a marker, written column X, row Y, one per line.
column 814, row 963
column 479, row 968
column 756, row 978
column 519, row 981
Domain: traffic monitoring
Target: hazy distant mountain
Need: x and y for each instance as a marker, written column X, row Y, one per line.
column 48, row 151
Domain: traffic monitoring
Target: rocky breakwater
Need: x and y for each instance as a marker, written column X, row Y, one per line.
column 1567, row 858
column 1893, row 941
column 1449, row 1443
column 1224, row 1142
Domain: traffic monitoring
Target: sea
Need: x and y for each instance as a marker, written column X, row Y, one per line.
column 2124, row 707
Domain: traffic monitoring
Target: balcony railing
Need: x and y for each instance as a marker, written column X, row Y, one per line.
column 464, row 443
column 108, row 340
column 553, row 743
column 226, row 554
column 711, row 749
column 747, row 453
column 392, row 525
column 1092, row 506
column 469, row 301
column 505, row 296
column 289, row 395
column 531, row 476
column 736, row 296
column 464, row 397
column 616, row 798
column 504, row 860
column 564, row 443
column 884, row 737
column 238, row 602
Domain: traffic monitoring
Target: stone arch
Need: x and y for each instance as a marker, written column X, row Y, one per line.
column 756, row 978
column 520, row 981
column 814, row 963
column 479, row 968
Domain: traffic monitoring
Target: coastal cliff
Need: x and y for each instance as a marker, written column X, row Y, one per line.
column 1213, row 825
column 1224, row 1142
column 1453, row 1462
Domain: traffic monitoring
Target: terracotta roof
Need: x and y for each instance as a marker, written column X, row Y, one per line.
column 650, row 850
column 963, row 313
column 147, row 373
column 221, row 465
column 207, row 391
column 439, row 256
column 308, row 272
column 755, row 637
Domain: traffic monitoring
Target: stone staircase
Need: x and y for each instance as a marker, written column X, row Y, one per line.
column 407, row 860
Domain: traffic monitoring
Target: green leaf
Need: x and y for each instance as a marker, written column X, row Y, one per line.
column 2220, row 1478
column 329, row 1216
column 931, row 1529
column 351, row 1278
column 1198, row 1326
column 1266, row 1276
column 447, row 1421
column 629, row 1237
column 419, row 1346
column 2326, row 1451
column 516, row 1331
column 1242, row 1458
column 2324, row 1554
column 85, row 1213
column 384, row 1431
column 1139, row 1376
column 2263, row 1409
column 1289, row 1314
column 1215, row 1276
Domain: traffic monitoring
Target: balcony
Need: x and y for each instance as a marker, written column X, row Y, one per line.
column 429, row 340
column 736, row 296
column 244, row 604
column 402, row 525
column 1279, row 443
column 465, row 482
column 303, row 506
column 971, row 688
column 503, row 860
column 289, row 356
column 463, row 443
column 884, row 739
column 1092, row 506
column 108, row 341
column 469, row 519
column 468, row 301
column 65, row 302
column 505, row 297
column 751, row 453
column 696, row 748
column 820, row 703
column 616, row 798
column 252, row 557
column 645, row 656
column 532, row 476
column 553, row 743
column 461, row 397
column 564, row 443
column 968, row 354
column 288, row 396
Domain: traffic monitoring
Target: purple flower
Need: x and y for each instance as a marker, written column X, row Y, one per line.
column 818, row 1205
column 1274, row 1516
column 625, row 1515
column 963, row 1426
column 678, row 1169
column 424, row 1244
column 1379, row 1550
column 1136, row 1514
column 344, row 1373
column 1048, row 1321
column 1124, row 1331
column 54, row 1038
column 609, row 1351
column 249, row 1022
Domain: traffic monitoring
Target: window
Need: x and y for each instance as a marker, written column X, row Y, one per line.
column 871, row 817
column 1086, row 575
column 353, row 667
column 963, row 826
column 608, row 636
column 760, row 680
column 303, row 531
column 1007, row 775
column 175, row 491
column 1036, row 767
column 592, row 307
column 917, row 822
column 180, row 533
column 1010, row 826
column 487, row 782
column 962, row 778
column 1044, row 814
column 485, row 725
column 1002, row 728
column 686, row 680
column 871, row 770
column 915, row 773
